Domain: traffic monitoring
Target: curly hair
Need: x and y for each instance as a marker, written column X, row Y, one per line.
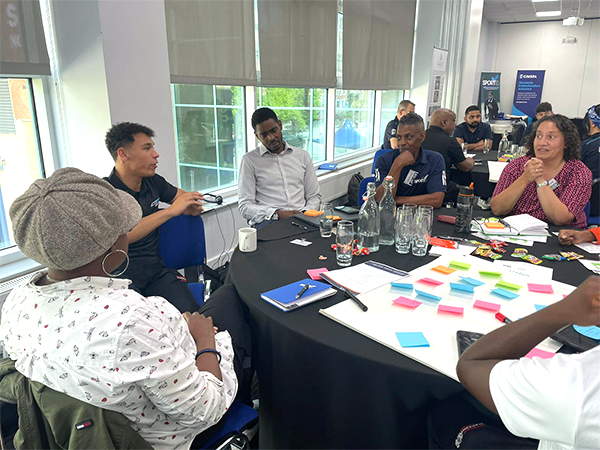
column 121, row 135
column 568, row 130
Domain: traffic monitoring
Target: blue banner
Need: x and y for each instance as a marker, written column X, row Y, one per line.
column 528, row 92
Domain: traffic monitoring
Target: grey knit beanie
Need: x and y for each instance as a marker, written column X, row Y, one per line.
column 71, row 218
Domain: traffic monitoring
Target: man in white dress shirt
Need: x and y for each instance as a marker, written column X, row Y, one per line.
column 276, row 180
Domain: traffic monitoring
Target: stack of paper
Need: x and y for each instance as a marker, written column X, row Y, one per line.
column 295, row 295
column 523, row 225
column 527, row 225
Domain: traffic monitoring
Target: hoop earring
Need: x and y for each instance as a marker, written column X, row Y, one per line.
column 122, row 271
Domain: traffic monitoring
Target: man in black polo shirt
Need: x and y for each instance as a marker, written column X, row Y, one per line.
column 419, row 174
column 473, row 131
column 590, row 148
column 389, row 138
column 438, row 138
column 136, row 159
column 542, row 110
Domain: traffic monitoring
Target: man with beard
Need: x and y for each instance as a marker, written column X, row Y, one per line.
column 276, row 180
column 472, row 130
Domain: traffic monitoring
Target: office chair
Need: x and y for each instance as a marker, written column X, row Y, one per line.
column 378, row 153
column 592, row 209
column 182, row 245
column 238, row 419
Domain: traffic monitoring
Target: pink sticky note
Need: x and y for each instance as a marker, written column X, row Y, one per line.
column 314, row 273
column 430, row 281
column 539, row 353
column 407, row 302
column 450, row 310
column 494, row 307
column 541, row 288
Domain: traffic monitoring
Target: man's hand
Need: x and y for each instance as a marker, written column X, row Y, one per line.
column 569, row 237
column 534, row 170
column 285, row 214
column 582, row 306
column 188, row 203
column 201, row 329
column 404, row 159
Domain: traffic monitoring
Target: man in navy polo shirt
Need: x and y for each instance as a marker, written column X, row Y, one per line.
column 136, row 159
column 472, row 130
column 419, row 174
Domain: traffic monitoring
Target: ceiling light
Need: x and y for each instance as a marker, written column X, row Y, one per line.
column 544, row 1
column 548, row 13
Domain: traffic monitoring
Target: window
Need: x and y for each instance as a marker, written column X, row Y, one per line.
column 20, row 156
column 302, row 113
column 389, row 109
column 354, row 114
column 210, row 135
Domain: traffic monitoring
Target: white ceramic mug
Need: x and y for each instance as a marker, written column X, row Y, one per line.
column 247, row 239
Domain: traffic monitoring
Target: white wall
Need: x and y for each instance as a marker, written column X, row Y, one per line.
column 572, row 77
column 469, row 91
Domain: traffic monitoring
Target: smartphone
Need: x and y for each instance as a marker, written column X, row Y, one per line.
column 347, row 209
column 465, row 339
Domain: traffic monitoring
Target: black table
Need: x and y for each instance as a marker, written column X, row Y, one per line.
column 323, row 385
column 479, row 175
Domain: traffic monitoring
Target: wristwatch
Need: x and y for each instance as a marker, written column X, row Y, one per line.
column 544, row 183
column 275, row 216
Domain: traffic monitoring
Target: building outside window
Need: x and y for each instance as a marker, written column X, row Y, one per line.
column 302, row 113
column 21, row 161
column 354, row 115
column 210, row 135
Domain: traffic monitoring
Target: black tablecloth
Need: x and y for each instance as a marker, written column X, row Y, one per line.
column 479, row 175
column 325, row 386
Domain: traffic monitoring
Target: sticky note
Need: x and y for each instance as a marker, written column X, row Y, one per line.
column 407, row 302
column 443, row 269
column 507, row 285
column 591, row 332
column 431, row 296
column 540, row 288
column 460, row 265
column 462, row 287
column 451, row 310
column 539, row 354
column 538, row 307
column 412, row 339
column 504, row 293
column 430, row 281
column 494, row 225
column 395, row 284
column 472, row 281
column 493, row 307
column 488, row 273
column 314, row 273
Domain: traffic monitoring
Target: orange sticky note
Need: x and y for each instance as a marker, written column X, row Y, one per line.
column 312, row 213
column 443, row 269
column 494, row 225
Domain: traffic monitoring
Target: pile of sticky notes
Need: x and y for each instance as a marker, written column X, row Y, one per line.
column 315, row 274
column 397, row 284
column 462, row 287
column 460, row 265
column 504, row 293
column 412, row 339
column 472, row 281
column 406, row 302
column 443, row 269
column 540, row 288
column 454, row 310
column 430, row 281
column 428, row 295
column 507, row 285
column 488, row 306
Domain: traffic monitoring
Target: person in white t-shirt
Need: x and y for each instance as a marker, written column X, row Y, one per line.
column 555, row 400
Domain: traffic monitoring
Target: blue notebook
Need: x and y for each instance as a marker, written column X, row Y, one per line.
column 284, row 297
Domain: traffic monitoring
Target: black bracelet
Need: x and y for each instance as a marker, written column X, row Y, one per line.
column 210, row 350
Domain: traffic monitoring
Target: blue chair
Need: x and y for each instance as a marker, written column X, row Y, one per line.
column 378, row 153
column 240, row 417
column 362, row 188
column 182, row 246
column 592, row 209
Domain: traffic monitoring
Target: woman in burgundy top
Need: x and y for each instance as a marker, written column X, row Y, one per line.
column 549, row 182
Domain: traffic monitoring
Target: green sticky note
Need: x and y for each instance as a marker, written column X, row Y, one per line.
column 489, row 273
column 460, row 265
column 507, row 285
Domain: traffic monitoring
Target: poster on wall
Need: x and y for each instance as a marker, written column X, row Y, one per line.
column 528, row 92
column 489, row 94
column 437, row 81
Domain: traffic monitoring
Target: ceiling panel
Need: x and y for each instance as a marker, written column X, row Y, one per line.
column 524, row 10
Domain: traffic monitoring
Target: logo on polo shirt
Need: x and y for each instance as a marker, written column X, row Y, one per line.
column 410, row 177
column 422, row 180
column 155, row 203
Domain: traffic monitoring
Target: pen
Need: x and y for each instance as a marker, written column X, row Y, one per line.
column 354, row 298
column 299, row 226
column 302, row 291
column 451, row 238
column 502, row 318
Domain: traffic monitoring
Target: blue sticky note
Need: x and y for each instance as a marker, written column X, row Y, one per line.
column 402, row 285
column 431, row 296
column 462, row 287
column 412, row 339
column 538, row 307
column 591, row 332
column 472, row 281
column 328, row 166
column 504, row 293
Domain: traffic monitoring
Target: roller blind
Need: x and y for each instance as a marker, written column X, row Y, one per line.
column 297, row 41
column 378, row 44
column 211, row 41
column 22, row 42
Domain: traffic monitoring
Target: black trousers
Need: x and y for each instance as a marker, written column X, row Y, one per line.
column 480, row 428
column 151, row 277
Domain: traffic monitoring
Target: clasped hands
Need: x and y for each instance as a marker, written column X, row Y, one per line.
column 534, row 171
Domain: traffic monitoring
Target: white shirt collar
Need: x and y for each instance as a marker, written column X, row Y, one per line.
column 264, row 149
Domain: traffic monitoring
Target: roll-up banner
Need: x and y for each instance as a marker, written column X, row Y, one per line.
column 489, row 94
column 528, row 92
column 436, row 82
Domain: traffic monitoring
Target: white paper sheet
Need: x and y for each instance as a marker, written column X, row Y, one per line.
column 594, row 266
column 363, row 277
column 496, row 168
column 526, row 270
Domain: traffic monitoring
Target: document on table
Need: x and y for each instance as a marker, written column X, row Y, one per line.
column 364, row 277
column 526, row 270
column 496, row 168
column 589, row 247
column 594, row 266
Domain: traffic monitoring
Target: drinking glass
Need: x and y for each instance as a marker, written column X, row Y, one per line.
column 427, row 211
column 487, row 145
column 420, row 231
column 404, row 218
column 464, row 148
column 344, row 243
column 412, row 208
column 326, row 219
